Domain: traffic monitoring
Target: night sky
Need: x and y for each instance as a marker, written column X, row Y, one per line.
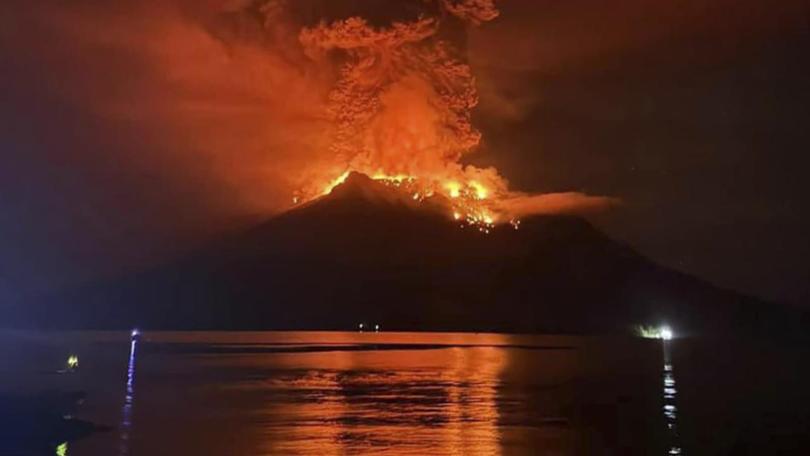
column 133, row 131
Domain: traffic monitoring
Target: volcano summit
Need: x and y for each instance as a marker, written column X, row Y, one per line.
column 368, row 252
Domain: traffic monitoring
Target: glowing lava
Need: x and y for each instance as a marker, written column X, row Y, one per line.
column 467, row 203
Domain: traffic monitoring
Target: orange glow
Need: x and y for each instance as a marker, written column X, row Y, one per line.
column 335, row 182
column 480, row 191
column 453, row 189
column 273, row 108
column 400, row 111
column 465, row 202
column 350, row 406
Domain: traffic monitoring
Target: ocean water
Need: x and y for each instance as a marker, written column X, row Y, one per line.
column 345, row 393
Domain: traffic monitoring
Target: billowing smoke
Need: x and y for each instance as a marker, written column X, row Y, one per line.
column 555, row 203
column 228, row 107
column 402, row 102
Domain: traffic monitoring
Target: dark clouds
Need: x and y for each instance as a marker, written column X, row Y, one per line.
column 694, row 114
column 131, row 130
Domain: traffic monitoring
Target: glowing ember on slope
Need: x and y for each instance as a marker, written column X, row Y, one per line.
column 467, row 203
column 335, row 182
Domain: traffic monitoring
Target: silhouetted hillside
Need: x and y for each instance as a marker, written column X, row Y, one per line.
column 368, row 253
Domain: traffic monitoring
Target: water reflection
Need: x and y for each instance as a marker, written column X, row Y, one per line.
column 443, row 402
column 670, row 407
column 129, row 397
column 383, row 393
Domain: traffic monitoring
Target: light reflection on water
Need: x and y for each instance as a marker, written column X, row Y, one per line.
column 129, row 398
column 430, row 411
column 670, row 407
column 396, row 394
column 247, row 394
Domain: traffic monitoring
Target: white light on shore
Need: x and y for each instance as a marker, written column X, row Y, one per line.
column 655, row 332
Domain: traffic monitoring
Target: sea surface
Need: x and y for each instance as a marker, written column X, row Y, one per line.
column 387, row 393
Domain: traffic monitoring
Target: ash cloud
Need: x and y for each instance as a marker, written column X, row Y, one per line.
column 213, row 96
column 557, row 203
column 134, row 129
column 158, row 123
column 236, row 104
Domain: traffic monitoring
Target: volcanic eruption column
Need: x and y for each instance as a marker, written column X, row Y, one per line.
column 400, row 111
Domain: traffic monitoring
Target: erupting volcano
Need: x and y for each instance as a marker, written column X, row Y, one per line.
column 390, row 225
column 368, row 251
column 400, row 112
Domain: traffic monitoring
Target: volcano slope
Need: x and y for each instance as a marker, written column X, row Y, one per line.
column 369, row 253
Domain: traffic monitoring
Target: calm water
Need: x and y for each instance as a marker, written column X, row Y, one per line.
column 327, row 393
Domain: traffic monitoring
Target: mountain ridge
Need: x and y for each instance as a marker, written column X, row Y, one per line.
column 367, row 252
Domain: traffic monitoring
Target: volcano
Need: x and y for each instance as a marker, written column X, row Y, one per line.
column 368, row 253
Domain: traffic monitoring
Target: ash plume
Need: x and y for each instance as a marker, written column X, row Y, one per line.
column 402, row 101
column 403, row 96
column 231, row 106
